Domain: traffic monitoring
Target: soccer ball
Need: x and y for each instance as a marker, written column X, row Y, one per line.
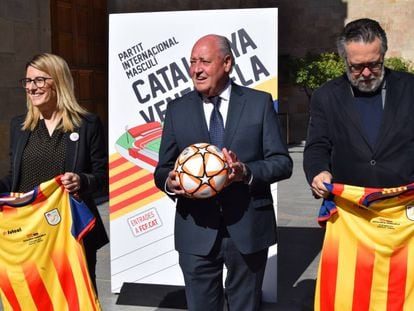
column 202, row 170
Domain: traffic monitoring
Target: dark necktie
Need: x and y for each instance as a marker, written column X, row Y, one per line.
column 216, row 124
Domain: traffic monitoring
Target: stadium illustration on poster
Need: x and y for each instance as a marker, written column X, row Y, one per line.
column 140, row 144
column 137, row 152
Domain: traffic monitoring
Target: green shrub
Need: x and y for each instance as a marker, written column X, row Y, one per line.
column 399, row 64
column 311, row 71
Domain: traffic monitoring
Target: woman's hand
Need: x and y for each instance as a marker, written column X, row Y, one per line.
column 71, row 182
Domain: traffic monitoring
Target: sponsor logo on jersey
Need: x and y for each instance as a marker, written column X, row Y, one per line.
column 12, row 231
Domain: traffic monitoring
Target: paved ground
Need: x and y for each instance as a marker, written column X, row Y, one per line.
column 300, row 241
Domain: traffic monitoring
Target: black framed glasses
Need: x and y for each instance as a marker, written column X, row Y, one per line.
column 38, row 81
column 372, row 66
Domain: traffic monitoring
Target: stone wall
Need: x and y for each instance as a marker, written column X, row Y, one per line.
column 24, row 31
column 397, row 19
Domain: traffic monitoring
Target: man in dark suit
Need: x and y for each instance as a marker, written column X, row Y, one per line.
column 361, row 129
column 236, row 227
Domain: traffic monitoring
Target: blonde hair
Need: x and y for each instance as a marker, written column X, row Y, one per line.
column 67, row 105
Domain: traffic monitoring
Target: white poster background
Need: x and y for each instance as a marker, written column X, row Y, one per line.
column 148, row 63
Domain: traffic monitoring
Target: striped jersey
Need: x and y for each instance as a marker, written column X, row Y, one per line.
column 367, row 259
column 42, row 261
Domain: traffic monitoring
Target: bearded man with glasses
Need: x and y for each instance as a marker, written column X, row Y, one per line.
column 361, row 130
column 361, row 137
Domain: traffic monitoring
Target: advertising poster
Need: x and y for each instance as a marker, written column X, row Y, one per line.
column 148, row 67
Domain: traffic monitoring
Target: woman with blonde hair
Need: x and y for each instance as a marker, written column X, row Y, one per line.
column 58, row 137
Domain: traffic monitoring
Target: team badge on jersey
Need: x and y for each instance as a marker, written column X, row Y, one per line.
column 410, row 212
column 53, row 217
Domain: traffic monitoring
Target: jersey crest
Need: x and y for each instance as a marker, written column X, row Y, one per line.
column 53, row 217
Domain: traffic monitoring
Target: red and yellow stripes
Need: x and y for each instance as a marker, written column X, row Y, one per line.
column 365, row 261
column 9, row 297
column 131, row 187
column 39, row 286
column 364, row 269
column 328, row 271
column 374, row 284
column 397, row 279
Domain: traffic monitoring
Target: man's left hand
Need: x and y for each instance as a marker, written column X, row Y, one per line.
column 237, row 169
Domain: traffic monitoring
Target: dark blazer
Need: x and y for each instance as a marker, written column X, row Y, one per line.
column 336, row 141
column 86, row 156
column 253, row 133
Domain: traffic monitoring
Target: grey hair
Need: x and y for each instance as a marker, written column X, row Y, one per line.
column 361, row 30
column 225, row 48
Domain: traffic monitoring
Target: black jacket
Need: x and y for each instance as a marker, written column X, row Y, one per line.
column 336, row 140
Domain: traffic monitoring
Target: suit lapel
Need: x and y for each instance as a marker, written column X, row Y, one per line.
column 195, row 114
column 236, row 105
column 346, row 96
column 394, row 92
column 72, row 147
column 18, row 154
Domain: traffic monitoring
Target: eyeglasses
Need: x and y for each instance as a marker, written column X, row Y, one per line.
column 372, row 66
column 38, row 81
